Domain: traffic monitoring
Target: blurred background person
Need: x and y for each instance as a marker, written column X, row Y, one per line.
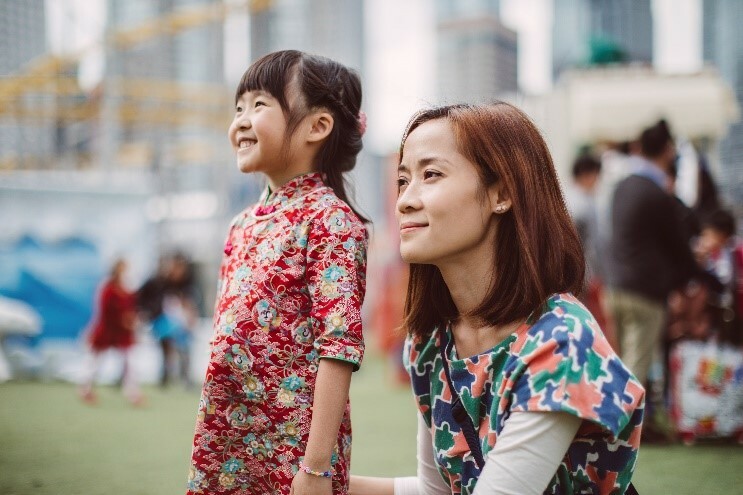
column 580, row 198
column 167, row 300
column 650, row 253
column 720, row 255
column 181, row 307
column 113, row 328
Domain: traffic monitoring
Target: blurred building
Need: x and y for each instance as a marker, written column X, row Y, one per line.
column 723, row 47
column 22, row 39
column 613, row 104
column 332, row 28
column 596, row 31
column 477, row 54
column 161, row 69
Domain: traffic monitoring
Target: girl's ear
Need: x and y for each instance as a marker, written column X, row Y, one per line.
column 321, row 125
column 500, row 202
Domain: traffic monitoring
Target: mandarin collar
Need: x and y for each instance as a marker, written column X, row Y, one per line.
column 296, row 187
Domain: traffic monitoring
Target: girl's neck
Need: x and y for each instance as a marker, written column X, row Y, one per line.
column 275, row 185
column 277, row 181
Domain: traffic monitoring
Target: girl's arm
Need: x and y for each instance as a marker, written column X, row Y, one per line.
column 428, row 481
column 527, row 454
column 331, row 397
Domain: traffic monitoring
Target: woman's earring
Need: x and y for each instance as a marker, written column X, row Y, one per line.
column 500, row 209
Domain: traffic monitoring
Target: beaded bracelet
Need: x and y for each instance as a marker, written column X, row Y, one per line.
column 321, row 474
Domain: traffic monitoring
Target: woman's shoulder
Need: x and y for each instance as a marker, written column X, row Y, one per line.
column 565, row 320
column 420, row 352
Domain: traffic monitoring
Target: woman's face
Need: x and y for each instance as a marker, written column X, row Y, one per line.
column 443, row 211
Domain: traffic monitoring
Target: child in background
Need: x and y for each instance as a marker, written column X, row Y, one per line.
column 717, row 252
column 274, row 415
column 113, row 327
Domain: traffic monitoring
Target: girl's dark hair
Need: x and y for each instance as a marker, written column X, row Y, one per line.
column 537, row 253
column 323, row 83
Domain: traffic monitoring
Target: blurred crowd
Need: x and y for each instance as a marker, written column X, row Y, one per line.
column 166, row 305
column 662, row 270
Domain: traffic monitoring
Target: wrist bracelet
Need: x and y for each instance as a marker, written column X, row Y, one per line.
column 321, row 474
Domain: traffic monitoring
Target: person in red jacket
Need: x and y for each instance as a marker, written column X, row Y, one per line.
column 113, row 327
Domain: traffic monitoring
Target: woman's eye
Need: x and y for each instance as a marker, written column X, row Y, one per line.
column 428, row 174
column 238, row 109
column 401, row 182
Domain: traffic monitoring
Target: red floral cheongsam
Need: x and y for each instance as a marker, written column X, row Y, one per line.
column 290, row 291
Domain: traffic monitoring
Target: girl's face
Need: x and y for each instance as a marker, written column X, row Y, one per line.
column 442, row 210
column 257, row 133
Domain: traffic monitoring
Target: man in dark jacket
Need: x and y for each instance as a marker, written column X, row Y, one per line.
column 649, row 250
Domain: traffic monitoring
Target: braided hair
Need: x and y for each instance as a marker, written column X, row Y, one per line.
column 323, row 83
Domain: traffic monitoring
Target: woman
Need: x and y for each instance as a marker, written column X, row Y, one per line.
column 497, row 343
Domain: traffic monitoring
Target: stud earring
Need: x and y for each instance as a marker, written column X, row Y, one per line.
column 500, row 209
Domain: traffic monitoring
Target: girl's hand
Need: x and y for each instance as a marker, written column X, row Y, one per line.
column 307, row 484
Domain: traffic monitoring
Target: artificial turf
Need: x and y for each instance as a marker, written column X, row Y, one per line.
column 52, row 444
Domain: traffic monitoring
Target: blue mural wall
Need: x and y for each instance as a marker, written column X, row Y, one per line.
column 59, row 280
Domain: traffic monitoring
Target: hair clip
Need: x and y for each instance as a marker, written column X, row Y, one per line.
column 362, row 122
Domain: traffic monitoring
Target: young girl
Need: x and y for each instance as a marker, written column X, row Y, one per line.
column 274, row 415
column 517, row 389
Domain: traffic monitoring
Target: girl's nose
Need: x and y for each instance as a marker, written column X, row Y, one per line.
column 243, row 122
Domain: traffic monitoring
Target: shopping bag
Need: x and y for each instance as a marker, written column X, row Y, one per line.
column 706, row 394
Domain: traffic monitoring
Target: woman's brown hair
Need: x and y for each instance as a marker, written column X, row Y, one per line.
column 538, row 251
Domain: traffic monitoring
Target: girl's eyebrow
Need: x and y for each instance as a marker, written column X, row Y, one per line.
column 254, row 94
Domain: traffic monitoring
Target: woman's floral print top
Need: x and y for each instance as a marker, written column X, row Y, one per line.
column 558, row 361
column 290, row 291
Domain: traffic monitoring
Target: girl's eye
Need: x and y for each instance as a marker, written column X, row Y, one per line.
column 428, row 174
column 260, row 103
column 401, row 182
column 238, row 109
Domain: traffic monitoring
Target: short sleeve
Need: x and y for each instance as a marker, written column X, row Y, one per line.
column 571, row 368
column 336, row 280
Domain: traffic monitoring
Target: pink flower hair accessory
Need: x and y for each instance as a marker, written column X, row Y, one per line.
column 362, row 122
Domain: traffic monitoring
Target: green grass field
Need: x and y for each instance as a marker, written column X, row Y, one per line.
column 54, row 445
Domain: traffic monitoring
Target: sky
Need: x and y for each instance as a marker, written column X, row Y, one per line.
column 401, row 50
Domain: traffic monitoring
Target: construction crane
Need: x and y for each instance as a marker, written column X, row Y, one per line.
column 53, row 76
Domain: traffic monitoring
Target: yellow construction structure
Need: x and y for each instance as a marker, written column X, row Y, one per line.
column 24, row 97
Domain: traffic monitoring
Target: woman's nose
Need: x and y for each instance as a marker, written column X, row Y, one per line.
column 408, row 199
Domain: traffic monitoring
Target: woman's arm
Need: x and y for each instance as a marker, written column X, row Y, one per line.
column 331, row 397
column 428, row 481
column 527, row 453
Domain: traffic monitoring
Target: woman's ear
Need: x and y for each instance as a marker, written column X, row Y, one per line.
column 321, row 125
column 499, row 200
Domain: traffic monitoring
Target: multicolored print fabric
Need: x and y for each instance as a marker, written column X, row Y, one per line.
column 290, row 291
column 558, row 361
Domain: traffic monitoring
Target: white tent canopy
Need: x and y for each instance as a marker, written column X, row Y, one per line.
column 612, row 104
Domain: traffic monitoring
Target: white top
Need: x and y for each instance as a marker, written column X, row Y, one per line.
column 524, row 460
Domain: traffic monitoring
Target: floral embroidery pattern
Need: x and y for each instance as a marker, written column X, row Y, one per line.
column 289, row 294
column 560, row 363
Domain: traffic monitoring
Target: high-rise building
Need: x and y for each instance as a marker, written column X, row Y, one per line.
column 723, row 47
column 580, row 26
column 149, row 66
column 477, row 54
column 22, row 39
column 332, row 28
column 22, row 33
